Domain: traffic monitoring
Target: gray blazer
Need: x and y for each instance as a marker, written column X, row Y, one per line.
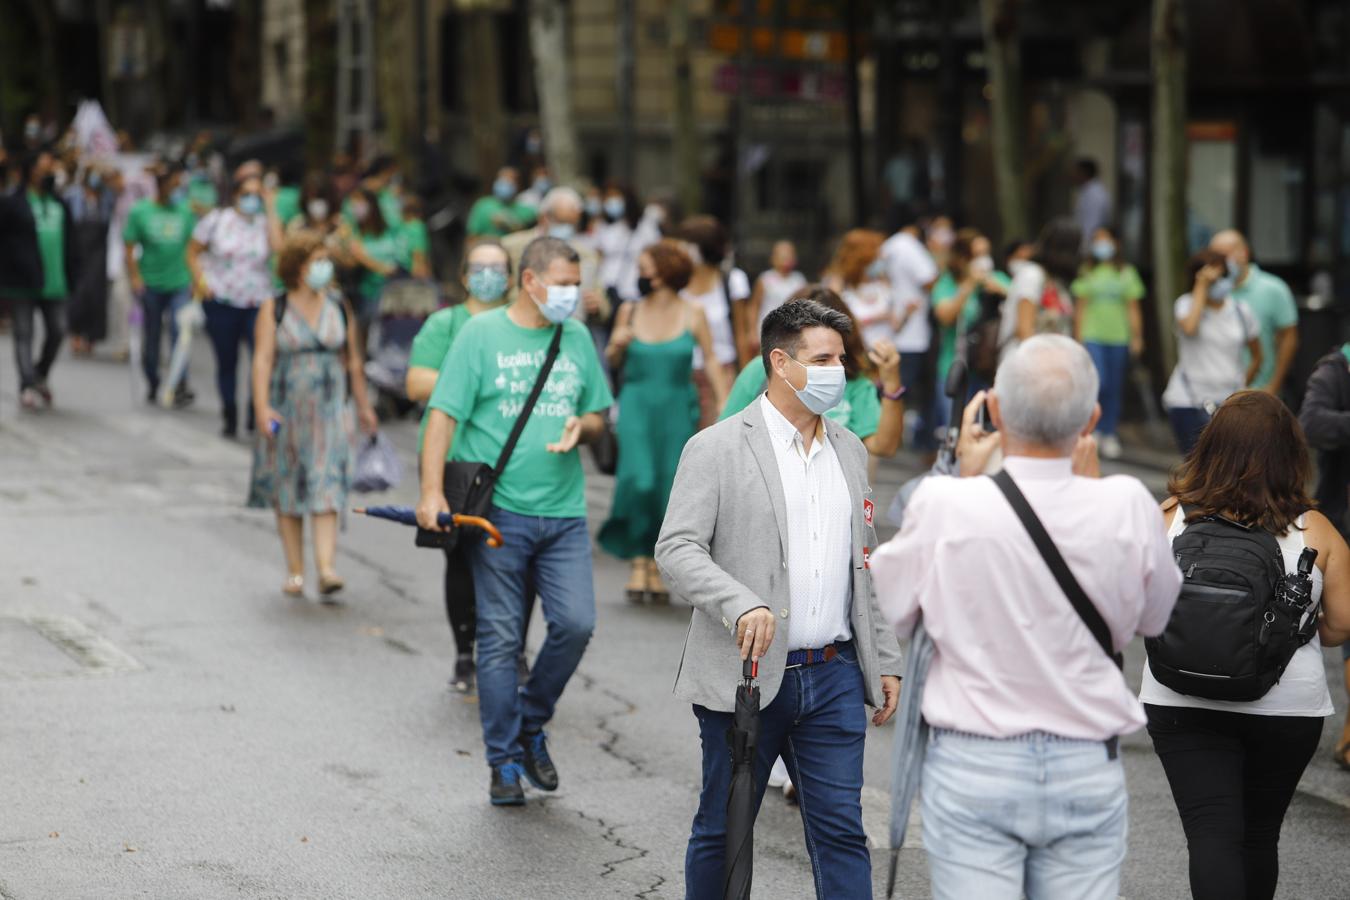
column 718, row 551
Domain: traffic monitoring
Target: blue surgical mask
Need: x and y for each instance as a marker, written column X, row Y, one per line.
column 488, row 283
column 615, row 207
column 320, row 274
column 250, row 204
column 1221, row 288
column 561, row 302
column 594, row 207
column 562, row 230
column 1103, row 251
column 824, row 387
column 503, row 189
column 178, row 196
column 542, row 186
column 877, row 269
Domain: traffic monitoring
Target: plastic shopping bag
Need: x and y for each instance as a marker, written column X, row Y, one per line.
column 377, row 466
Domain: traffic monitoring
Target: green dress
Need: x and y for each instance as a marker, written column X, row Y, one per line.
column 304, row 468
column 658, row 414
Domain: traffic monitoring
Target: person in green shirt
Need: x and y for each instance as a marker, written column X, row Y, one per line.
column 500, row 213
column 1271, row 301
column 538, row 503
column 1108, row 321
column 47, row 223
column 487, row 271
column 375, row 246
column 414, row 243
column 156, row 236
column 967, row 293
column 877, row 419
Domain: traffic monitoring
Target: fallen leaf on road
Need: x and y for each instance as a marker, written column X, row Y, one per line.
column 227, row 707
column 54, row 834
column 463, row 752
column 304, row 840
column 128, row 848
column 373, row 631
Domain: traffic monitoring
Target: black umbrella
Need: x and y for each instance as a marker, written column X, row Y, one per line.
column 406, row 515
column 742, row 737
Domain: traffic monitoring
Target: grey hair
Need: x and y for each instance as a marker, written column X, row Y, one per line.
column 542, row 251
column 1047, row 390
column 561, row 194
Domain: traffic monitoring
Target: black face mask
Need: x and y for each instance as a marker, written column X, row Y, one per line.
column 48, row 184
column 645, row 286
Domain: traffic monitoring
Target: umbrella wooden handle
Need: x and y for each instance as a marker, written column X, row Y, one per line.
column 494, row 536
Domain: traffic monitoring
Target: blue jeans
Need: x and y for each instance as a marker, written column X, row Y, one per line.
column 1187, row 423
column 1035, row 814
column 557, row 552
column 817, row 723
column 228, row 327
column 157, row 305
column 1112, row 362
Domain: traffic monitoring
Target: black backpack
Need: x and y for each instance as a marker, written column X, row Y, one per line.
column 1239, row 618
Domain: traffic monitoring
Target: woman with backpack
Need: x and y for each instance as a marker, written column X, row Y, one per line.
column 1232, row 743
column 1039, row 301
column 305, row 354
column 966, row 296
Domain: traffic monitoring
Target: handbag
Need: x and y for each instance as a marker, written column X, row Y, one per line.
column 1067, row 583
column 469, row 485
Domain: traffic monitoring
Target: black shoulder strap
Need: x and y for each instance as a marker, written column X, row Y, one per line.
column 279, row 303
column 1050, row 553
column 528, row 408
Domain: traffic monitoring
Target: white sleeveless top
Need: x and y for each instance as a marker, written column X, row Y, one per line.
column 1301, row 691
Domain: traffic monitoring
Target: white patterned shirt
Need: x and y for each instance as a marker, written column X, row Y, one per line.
column 820, row 535
column 236, row 261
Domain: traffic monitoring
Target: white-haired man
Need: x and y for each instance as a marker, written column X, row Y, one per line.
column 1023, row 792
column 559, row 217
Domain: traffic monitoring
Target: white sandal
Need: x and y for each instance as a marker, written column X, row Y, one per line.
column 293, row 586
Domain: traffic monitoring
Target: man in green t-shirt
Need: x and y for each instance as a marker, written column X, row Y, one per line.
column 156, row 236
column 501, row 212
column 1271, row 301
column 538, row 504
column 43, row 223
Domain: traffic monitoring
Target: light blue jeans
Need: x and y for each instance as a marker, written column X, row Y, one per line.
column 1035, row 815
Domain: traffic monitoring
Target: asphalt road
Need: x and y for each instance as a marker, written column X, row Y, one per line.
column 172, row 727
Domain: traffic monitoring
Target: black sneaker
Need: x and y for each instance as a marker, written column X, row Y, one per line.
column 464, row 674
column 538, row 765
column 183, row 397
column 506, row 789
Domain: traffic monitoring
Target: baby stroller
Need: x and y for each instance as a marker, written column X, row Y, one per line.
column 404, row 305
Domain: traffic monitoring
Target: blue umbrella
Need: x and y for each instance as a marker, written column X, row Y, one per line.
column 406, row 515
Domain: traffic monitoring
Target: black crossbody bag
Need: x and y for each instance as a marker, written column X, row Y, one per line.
column 469, row 485
column 1067, row 583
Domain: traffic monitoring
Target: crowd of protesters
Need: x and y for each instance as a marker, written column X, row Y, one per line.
column 593, row 317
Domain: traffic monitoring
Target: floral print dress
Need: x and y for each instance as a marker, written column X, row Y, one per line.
column 303, row 469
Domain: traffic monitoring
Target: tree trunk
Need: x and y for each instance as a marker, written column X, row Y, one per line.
column 320, row 104
column 394, row 79
column 553, row 84
column 688, row 183
column 246, row 63
column 483, row 94
column 49, row 60
column 1003, row 52
column 1169, row 167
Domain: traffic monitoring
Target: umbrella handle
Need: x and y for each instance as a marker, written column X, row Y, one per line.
column 494, row 536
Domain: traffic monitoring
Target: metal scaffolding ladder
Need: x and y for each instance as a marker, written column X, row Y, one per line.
column 356, row 74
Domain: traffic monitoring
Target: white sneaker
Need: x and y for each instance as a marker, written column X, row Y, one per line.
column 1108, row 445
column 778, row 777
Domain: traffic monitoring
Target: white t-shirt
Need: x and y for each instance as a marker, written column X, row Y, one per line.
column 1210, row 363
column 871, row 304
column 1029, row 284
column 910, row 267
column 777, row 287
column 718, row 311
column 619, row 247
column 1301, row 690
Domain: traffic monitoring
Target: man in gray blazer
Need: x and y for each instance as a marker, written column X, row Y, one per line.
column 767, row 535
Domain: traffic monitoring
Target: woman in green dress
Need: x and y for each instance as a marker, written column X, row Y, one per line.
column 302, row 362
column 653, row 343
column 487, row 272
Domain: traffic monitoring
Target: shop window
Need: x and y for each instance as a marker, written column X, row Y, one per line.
column 1276, row 219
column 1211, row 184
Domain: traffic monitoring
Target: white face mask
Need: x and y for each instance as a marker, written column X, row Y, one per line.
column 318, row 209
column 824, row 387
column 982, row 266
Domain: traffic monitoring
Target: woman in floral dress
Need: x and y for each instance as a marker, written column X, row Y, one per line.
column 304, row 359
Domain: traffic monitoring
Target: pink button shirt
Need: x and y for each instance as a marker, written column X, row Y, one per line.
column 1012, row 656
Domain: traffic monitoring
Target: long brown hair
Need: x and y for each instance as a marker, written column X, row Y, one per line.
column 857, row 249
column 1251, row 465
column 856, row 361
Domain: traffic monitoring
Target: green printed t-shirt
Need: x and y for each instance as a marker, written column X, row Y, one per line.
column 1106, row 293
column 50, row 218
column 202, row 195
column 944, row 289
column 391, row 208
column 383, row 248
column 287, row 203
column 859, row 411
column 484, row 382
column 412, row 239
column 490, row 217
column 1271, row 301
column 431, row 345
column 163, row 233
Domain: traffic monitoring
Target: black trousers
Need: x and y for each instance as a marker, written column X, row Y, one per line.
column 460, row 606
column 1232, row 777
column 53, row 314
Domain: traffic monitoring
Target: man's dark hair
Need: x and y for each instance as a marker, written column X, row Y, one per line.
column 541, row 252
column 1087, row 167
column 782, row 328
